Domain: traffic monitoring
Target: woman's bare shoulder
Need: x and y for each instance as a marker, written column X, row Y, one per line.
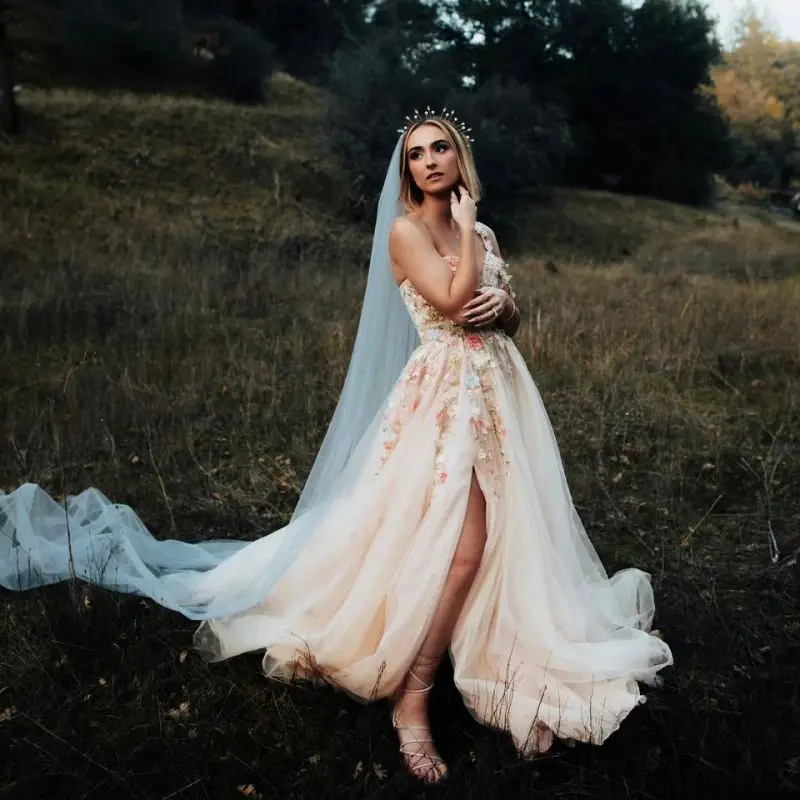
column 407, row 226
column 407, row 231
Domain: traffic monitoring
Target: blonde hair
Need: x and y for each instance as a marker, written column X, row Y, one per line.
column 411, row 196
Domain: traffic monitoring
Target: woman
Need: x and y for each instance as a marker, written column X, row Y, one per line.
column 436, row 515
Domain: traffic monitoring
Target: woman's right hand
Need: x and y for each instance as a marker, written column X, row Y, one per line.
column 463, row 209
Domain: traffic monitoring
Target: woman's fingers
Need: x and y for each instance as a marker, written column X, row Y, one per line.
column 487, row 312
column 484, row 309
column 479, row 299
column 481, row 322
column 479, row 311
column 487, row 302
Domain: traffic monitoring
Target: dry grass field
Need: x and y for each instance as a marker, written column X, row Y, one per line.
column 179, row 287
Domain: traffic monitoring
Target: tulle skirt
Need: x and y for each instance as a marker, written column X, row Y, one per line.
column 544, row 636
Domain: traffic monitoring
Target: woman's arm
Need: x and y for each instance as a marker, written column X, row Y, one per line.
column 412, row 250
column 510, row 319
column 478, row 309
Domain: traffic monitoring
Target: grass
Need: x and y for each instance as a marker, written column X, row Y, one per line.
column 180, row 287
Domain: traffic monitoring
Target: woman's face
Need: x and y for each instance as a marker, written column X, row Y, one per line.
column 432, row 160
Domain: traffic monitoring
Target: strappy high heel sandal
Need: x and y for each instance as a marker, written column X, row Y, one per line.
column 426, row 766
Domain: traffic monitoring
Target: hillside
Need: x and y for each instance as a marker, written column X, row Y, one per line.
column 179, row 289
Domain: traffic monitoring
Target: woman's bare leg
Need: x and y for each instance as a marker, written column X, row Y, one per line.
column 411, row 708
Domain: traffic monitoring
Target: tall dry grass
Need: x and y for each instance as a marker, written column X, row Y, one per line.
column 179, row 291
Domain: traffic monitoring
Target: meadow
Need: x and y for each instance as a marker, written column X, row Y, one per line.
column 179, row 286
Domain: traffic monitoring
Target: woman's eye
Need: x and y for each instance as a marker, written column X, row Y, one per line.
column 441, row 147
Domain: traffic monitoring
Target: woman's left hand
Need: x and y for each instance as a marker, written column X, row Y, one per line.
column 485, row 309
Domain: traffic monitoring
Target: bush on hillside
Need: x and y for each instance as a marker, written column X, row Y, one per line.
column 134, row 35
column 239, row 60
column 141, row 44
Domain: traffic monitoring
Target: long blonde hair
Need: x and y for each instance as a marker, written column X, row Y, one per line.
column 411, row 196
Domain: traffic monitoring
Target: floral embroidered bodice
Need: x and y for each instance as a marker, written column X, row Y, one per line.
column 427, row 318
column 460, row 366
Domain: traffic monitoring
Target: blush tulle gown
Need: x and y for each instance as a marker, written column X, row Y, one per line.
column 545, row 636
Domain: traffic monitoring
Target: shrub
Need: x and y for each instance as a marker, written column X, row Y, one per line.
column 239, row 59
column 137, row 35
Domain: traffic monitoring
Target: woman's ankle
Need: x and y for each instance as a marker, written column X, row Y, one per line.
column 422, row 673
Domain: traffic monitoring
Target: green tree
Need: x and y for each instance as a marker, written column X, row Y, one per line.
column 304, row 33
column 520, row 141
column 415, row 23
column 630, row 79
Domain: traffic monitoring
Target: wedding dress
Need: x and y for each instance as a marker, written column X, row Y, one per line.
column 544, row 636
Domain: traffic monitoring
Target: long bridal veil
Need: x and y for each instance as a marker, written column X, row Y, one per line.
column 90, row 537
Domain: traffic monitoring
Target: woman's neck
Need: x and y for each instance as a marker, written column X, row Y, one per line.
column 435, row 212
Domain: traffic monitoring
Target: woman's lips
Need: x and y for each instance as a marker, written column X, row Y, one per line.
column 435, row 176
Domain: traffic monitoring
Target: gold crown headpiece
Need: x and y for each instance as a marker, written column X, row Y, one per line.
column 445, row 113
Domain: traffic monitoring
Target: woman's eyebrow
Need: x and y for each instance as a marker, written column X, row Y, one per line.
column 419, row 146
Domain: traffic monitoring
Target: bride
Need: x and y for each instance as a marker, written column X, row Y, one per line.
column 437, row 514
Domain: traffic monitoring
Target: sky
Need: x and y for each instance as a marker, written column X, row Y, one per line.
column 780, row 16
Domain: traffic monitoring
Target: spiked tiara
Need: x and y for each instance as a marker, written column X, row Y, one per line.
column 445, row 113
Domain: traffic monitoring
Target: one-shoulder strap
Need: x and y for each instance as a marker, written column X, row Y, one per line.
column 500, row 263
column 483, row 232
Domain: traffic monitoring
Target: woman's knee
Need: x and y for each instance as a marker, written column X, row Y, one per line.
column 471, row 544
column 467, row 561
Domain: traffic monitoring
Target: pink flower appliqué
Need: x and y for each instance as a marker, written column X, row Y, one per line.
column 474, row 342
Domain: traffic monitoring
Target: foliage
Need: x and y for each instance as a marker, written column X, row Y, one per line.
column 304, row 33
column 372, row 88
column 628, row 77
column 239, row 60
column 758, row 90
column 136, row 35
column 520, row 142
column 143, row 45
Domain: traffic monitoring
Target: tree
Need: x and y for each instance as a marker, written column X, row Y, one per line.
column 372, row 87
column 629, row 78
column 9, row 113
column 520, row 141
column 758, row 90
column 304, row 33
column 239, row 59
column 415, row 23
